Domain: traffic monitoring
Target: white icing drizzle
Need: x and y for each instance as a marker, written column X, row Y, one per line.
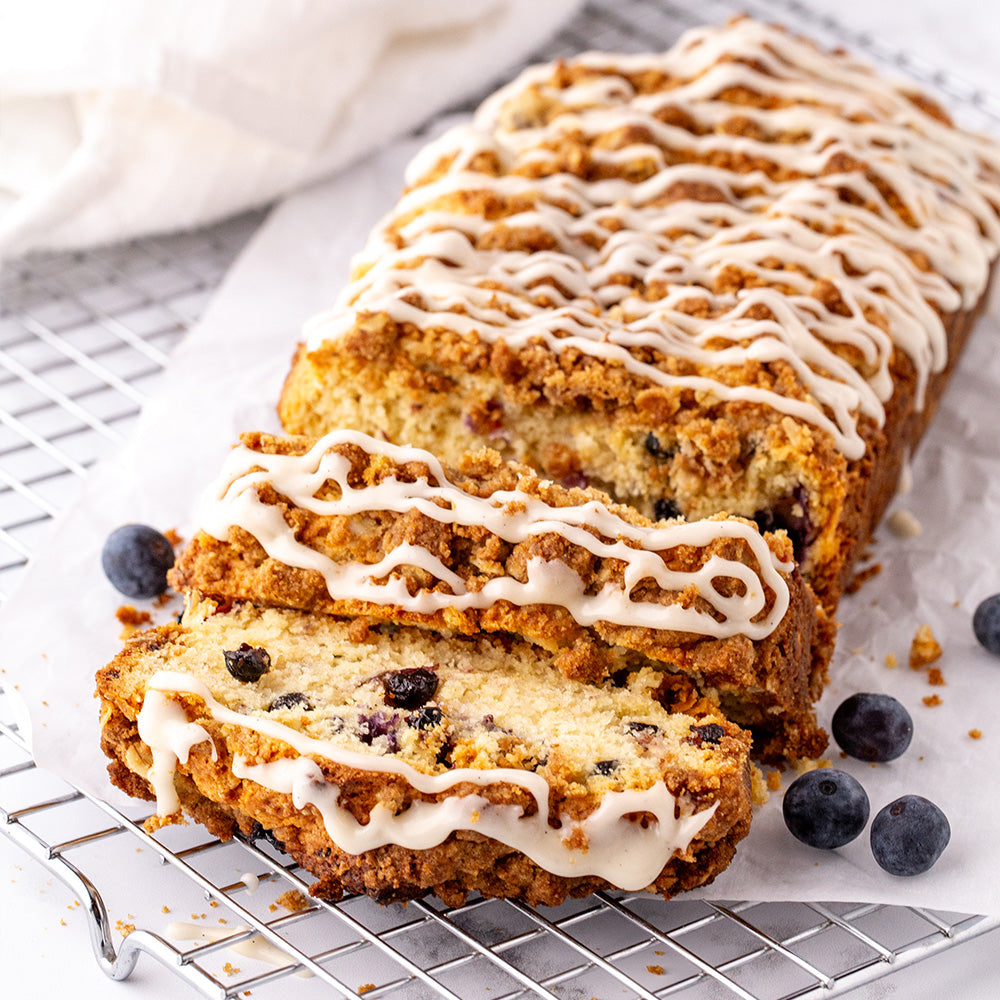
column 423, row 260
column 514, row 516
column 256, row 947
column 162, row 715
column 627, row 854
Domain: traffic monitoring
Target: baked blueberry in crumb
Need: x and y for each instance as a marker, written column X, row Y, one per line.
column 248, row 663
column 792, row 514
column 666, row 508
column 872, row 727
column 371, row 727
column 653, row 446
column 642, row 728
column 409, row 688
column 825, row 808
column 986, row 624
column 909, row 835
column 605, row 767
column 135, row 558
column 425, row 718
column 291, row 699
column 259, row 833
column 710, row 732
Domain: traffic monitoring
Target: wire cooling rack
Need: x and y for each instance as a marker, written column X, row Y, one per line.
column 83, row 338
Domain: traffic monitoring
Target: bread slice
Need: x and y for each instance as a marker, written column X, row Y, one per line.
column 352, row 526
column 411, row 763
column 729, row 277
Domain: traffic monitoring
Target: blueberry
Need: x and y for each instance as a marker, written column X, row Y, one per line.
column 710, row 732
column 665, row 508
column 371, row 727
column 825, row 808
column 135, row 558
column 872, row 727
column 248, row 663
column 425, row 718
column 909, row 835
column 409, row 688
column 605, row 767
column 291, row 699
column 655, row 448
column 642, row 728
column 986, row 624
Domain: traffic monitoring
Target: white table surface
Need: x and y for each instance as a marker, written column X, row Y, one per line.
column 44, row 943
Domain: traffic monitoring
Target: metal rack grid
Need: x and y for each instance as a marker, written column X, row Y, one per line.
column 83, row 338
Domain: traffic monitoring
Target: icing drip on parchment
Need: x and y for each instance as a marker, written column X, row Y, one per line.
column 427, row 265
column 626, row 853
column 511, row 515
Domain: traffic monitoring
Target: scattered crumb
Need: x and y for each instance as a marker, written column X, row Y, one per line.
column 658, row 952
column 656, row 970
column 123, row 928
column 935, row 678
column 366, row 988
column 222, row 920
column 172, row 536
column 63, row 922
column 229, row 969
column 931, row 700
column 213, row 903
column 890, row 661
column 132, row 619
column 294, row 901
column 165, row 909
column 843, row 755
column 803, row 764
column 924, row 649
column 862, row 577
column 976, row 734
column 272, row 907
column 774, row 780
column 758, row 787
column 904, row 524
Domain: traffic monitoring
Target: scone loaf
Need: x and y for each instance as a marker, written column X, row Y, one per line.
column 729, row 277
column 352, row 526
column 409, row 763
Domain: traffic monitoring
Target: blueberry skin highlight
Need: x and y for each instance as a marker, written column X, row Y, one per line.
column 986, row 624
column 909, row 835
column 872, row 727
column 135, row 558
column 825, row 808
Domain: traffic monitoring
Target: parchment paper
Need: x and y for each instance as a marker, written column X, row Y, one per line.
column 59, row 626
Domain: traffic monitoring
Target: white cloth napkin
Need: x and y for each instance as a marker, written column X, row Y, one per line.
column 123, row 117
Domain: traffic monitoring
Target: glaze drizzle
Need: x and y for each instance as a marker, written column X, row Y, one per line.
column 908, row 236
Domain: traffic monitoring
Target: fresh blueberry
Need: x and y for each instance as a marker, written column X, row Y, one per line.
column 986, row 624
column 291, row 699
column 909, row 835
column 135, row 558
column 872, row 727
column 248, row 663
column 825, row 808
column 409, row 688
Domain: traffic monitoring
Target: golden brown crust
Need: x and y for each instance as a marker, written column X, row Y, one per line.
column 208, row 790
column 770, row 685
column 580, row 418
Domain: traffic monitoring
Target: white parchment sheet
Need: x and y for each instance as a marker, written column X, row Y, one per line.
column 59, row 626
